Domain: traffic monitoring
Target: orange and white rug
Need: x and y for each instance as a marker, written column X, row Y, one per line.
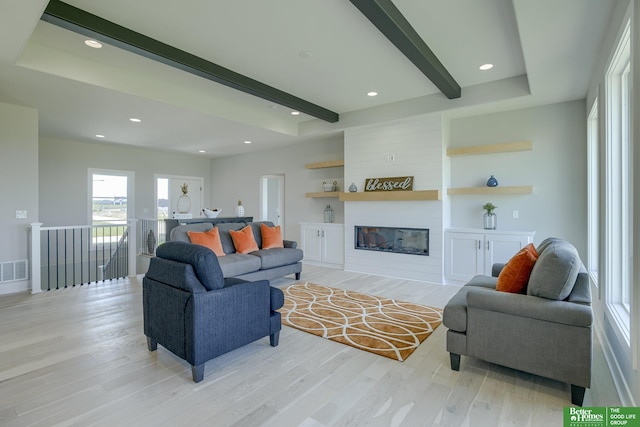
column 383, row 326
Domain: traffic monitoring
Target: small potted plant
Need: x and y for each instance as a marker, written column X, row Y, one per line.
column 490, row 218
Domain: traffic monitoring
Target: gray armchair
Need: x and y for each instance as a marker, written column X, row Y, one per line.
column 192, row 311
column 547, row 332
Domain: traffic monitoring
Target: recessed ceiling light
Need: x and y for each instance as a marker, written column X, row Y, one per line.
column 372, row 93
column 295, row 113
column 134, row 120
column 99, row 136
column 486, row 67
column 93, row 43
column 247, row 142
column 201, row 151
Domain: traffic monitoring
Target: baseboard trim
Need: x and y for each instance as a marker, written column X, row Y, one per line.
column 624, row 393
column 15, row 287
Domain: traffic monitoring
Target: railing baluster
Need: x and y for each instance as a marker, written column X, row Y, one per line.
column 48, row 260
column 81, row 255
column 57, row 259
column 73, row 251
column 65, row 258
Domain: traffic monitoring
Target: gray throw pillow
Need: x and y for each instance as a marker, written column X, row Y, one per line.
column 555, row 272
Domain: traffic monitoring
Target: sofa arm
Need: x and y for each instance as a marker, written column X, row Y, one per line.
column 562, row 312
column 290, row 244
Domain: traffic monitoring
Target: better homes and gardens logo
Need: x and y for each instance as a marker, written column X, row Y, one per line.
column 601, row 417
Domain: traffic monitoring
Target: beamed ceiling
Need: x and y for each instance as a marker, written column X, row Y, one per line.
column 210, row 74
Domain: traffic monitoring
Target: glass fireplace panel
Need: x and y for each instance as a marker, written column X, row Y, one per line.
column 402, row 240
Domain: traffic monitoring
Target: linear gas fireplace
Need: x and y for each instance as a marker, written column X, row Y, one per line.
column 413, row 241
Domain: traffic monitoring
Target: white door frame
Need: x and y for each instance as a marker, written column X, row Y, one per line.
column 264, row 179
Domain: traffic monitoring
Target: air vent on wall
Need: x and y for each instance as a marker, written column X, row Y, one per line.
column 13, row 270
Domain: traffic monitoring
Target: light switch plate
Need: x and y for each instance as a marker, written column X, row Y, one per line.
column 21, row 214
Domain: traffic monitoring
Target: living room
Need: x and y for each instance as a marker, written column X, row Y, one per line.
column 53, row 180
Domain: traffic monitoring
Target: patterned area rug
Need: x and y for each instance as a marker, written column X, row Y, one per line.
column 382, row 326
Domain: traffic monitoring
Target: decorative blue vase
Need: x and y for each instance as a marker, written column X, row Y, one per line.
column 492, row 182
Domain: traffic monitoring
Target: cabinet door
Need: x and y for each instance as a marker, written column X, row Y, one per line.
column 311, row 242
column 501, row 247
column 463, row 256
column 333, row 239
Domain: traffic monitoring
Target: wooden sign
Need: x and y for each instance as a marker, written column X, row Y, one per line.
column 398, row 183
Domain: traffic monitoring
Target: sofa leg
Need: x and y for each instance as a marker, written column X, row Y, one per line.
column 274, row 338
column 297, row 276
column 152, row 344
column 455, row 361
column 577, row 394
column 197, row 372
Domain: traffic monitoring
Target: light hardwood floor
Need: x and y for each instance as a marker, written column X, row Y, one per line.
column 78, row 357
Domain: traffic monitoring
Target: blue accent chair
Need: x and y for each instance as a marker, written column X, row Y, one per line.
column 197, row 314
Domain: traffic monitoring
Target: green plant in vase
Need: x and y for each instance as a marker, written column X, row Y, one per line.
column 490, row 218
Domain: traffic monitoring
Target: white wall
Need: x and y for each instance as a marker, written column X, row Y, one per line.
column 416, row 144
column 64, row 166
column 238, row 177
column 19, row 191
column 556, row 168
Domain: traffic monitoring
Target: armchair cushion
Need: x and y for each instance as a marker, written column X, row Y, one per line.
column 555, row 272
column 203, row 260
column 525, row 306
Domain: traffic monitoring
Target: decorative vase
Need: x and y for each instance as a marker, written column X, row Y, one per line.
column 239, row 209
column 328, row 214
column 490, row 221
column 151, row 242
column 353, row 188
column 492, row 181
column 184, row 202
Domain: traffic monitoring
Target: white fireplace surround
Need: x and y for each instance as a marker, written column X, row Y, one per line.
column 410, row 147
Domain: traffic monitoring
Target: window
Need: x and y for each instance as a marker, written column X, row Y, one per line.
column 110, row 204
column 593, row 193
column 618, row 186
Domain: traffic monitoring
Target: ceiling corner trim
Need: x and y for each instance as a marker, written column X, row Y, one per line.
column 390, row 21
column 82, row 22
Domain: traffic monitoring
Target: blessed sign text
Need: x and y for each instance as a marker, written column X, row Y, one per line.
column 398, row 183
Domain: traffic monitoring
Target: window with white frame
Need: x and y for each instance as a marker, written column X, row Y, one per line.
column 593, row 170
column 618, row 185
column 109, row 204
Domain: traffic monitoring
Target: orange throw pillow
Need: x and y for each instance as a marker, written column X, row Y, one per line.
column 271, row 237
column 514, row 277
column 209, row 239
column 243, row 240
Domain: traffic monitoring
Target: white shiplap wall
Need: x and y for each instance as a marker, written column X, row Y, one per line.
column 416, row 144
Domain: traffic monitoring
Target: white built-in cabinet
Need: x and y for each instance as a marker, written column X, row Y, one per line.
column 469, row 252
column 323, row 243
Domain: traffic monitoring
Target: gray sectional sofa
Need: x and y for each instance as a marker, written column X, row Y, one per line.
column 264, row 264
